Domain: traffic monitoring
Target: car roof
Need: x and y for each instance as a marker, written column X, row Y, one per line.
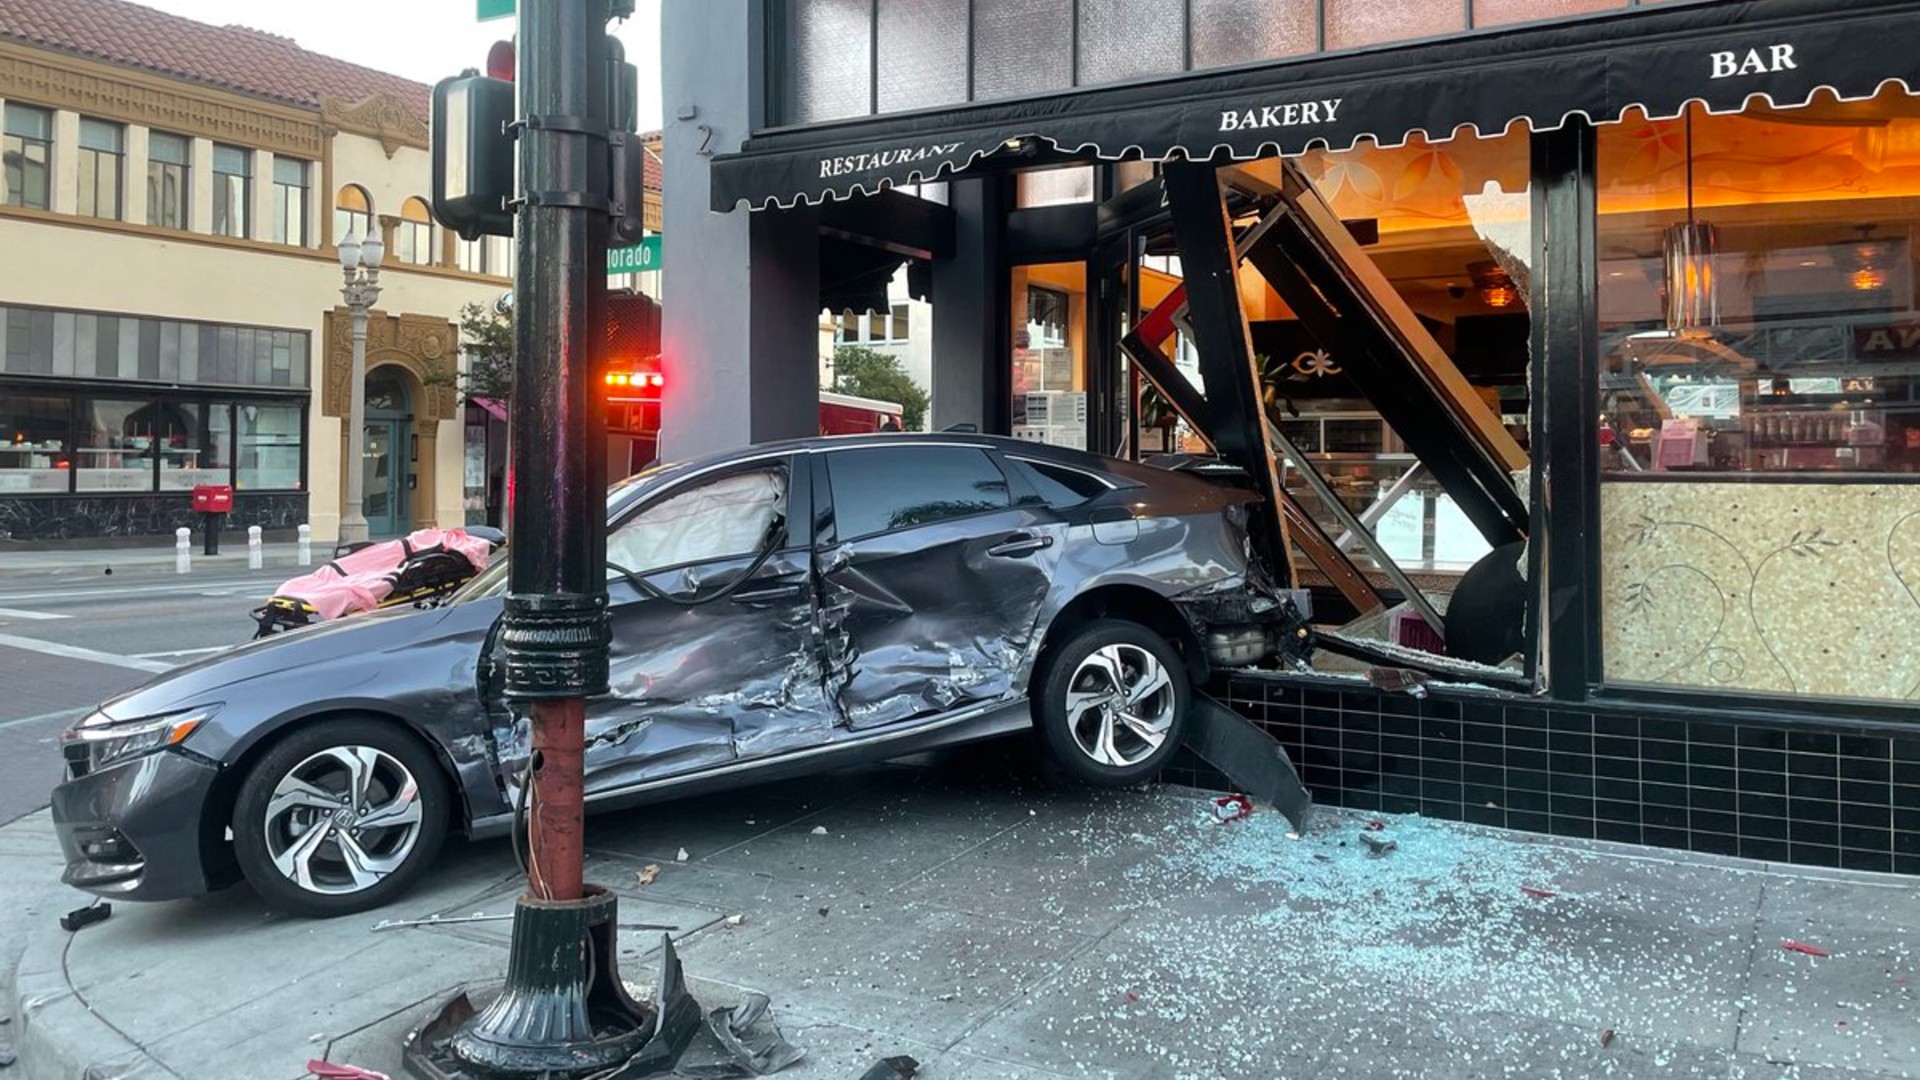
column 820, row 443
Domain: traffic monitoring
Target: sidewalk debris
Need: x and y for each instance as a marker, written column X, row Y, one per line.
column 86, row 916
column 745, row 1042
column 819, row 830
column 1376, row 825
column 1378, row 845
column 683, row 856
column 1538, row 894
column 648, row 874
column 476, row 917
column 1802, row 947
column 1232, row 808
column 327, row 1070
column 893, row 1068
column 1606, row 1038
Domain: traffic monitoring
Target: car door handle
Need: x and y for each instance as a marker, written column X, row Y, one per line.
column 1019, row 545
column 767, row 595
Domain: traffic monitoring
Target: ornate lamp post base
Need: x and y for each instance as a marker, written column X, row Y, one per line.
column 564, row 1011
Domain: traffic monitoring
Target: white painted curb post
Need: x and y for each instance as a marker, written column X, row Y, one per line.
column 306, row 545
column 253, row 547
column 182, row 550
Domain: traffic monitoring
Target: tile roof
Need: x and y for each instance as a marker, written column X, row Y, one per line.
column 236, row 58
column 655, row 171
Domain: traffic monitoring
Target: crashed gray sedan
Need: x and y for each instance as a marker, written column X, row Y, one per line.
column 776, row 611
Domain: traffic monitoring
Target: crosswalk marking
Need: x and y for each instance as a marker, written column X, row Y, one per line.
column 16, row 613
column 75, row 652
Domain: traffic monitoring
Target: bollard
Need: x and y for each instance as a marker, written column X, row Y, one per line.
column 306, row 545
column 182, row 550
column 253, row 547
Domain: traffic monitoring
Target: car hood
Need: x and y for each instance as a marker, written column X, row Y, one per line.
column 376, row 631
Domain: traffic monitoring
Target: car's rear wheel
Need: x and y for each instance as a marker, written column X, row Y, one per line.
column 1111, row 702
column 339, row 817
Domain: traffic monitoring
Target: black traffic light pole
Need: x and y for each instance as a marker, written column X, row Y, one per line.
column 563, row 1010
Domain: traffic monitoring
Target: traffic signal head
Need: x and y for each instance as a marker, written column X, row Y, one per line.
column 473, row 174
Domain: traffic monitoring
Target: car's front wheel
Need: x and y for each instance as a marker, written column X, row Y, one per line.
column 1111, row 702
column 339, row 817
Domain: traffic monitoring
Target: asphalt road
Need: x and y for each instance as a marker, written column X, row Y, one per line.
column 69, row 642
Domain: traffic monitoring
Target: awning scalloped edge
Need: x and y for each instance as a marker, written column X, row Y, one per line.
column 1134, row 151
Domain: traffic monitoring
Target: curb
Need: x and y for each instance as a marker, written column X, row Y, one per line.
column 56, row 1035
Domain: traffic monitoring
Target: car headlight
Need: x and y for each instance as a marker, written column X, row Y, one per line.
column 109, row 741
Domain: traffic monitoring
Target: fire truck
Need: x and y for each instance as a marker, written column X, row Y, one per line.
column 635, row 379
column 633, row 415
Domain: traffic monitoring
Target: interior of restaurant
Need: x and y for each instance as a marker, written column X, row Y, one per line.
column 1756, row 296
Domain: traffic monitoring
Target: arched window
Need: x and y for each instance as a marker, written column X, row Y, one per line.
column 415, row 235
column 352, row 212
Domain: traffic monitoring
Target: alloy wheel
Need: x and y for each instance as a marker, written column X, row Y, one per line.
column 1120, row 705
column 343, row 819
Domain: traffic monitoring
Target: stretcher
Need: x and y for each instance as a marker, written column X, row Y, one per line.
column 422, row 566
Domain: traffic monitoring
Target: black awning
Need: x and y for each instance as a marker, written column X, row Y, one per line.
column 1723, row 55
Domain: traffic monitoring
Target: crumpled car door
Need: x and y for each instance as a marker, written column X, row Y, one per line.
column 922, row 619
column 713, row 659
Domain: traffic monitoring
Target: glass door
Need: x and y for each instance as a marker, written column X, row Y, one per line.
column 384, row 489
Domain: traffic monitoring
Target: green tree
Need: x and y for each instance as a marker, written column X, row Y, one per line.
column 870, row 373
column 487, row 339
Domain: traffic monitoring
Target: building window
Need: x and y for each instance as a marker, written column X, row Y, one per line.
column 269, row 454
column 414, row 236
column 1760, row 402
column 352, row 212
column 84, row 344
column 290, row 201
column 487, row 255
column 232, row 189
column 35, row 454
column 167, row 189
column 102, row 154
column 1054, row 187
column 890, row 327
column 28, row 154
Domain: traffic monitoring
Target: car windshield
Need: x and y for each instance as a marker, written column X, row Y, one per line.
column 493, row 580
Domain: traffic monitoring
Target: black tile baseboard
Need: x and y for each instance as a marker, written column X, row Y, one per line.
column 1657, row 775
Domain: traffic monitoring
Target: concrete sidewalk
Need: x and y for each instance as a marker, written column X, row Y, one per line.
column 1001, row 929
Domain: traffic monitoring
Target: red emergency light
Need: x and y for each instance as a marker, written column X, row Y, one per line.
column 637, row 380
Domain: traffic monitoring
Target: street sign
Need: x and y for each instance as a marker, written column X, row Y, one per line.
column 637, row 259
column 493, row 9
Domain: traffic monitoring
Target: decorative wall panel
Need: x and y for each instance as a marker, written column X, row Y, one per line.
column 1806, row 589
column 90, row 517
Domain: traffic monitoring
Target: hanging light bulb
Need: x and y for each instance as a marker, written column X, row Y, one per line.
column 1868, row 259
column 1693, row 294
column 1495, row 285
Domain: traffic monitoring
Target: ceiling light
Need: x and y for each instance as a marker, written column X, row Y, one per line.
column 1496, row 287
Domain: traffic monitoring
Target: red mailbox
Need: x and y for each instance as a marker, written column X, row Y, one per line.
column 213, row 498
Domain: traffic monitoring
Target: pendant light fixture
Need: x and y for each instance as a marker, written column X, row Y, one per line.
column 1867, row 262
column 1693, row 294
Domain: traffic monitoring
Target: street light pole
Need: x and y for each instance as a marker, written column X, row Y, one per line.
column 360, row 274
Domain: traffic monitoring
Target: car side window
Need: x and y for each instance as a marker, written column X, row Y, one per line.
column 720, row 517
column 883, row 489
column 1059, row 485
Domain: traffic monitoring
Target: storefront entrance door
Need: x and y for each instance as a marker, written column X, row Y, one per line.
column 386, row 458
column 384, row 480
